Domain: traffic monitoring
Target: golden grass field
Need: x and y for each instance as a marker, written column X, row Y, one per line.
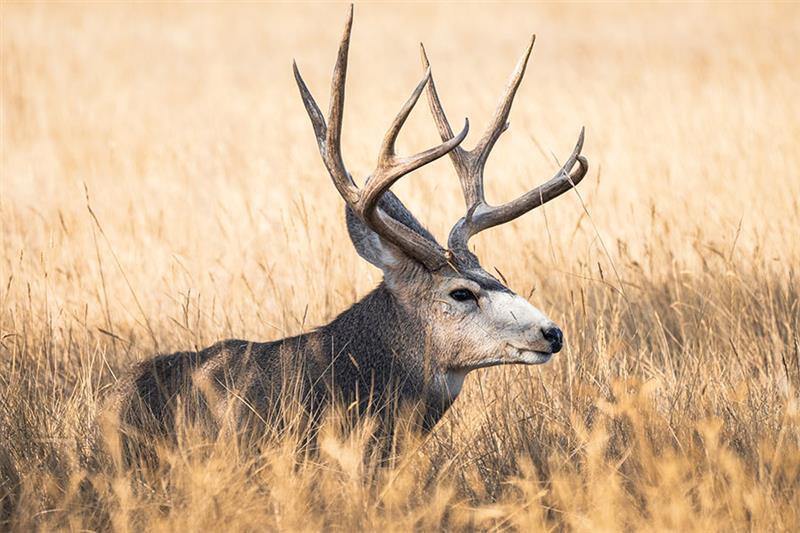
column 162, row 190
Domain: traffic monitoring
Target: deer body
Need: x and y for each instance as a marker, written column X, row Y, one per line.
column 371, row 355
column 409, row 343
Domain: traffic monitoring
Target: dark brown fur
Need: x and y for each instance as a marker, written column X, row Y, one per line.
column 371, row 356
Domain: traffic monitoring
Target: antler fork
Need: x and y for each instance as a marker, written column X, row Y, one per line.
column 470, row 164
column 391, row 167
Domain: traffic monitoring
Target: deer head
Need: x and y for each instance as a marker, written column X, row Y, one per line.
column 472, row 319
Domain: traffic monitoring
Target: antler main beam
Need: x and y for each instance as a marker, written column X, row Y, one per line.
column 470, row 164
column 391, row 167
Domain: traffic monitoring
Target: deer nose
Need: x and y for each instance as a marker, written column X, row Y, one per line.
column 555, row 337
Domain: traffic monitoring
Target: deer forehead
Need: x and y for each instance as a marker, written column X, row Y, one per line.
column 476, row 278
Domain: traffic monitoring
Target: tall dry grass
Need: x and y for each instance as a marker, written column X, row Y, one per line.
column 161, row 190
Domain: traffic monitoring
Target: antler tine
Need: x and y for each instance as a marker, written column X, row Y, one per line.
column 329, row 136
column 392, row 167
column 387, row 147
column 336, row 106
column 470, row 164
column 484, row 216
column 364, row 202
column 314, row 113
column 459, row 156
column 490, row 216
column 499, row 122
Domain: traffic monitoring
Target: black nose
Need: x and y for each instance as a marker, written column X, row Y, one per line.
column 555, row 337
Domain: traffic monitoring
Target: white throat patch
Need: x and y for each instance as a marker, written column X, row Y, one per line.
column 453, row 382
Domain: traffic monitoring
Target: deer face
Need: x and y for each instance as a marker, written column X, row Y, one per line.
column 478, row 322
column 473, row 319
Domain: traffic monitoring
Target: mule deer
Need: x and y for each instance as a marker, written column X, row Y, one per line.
column 436, row 316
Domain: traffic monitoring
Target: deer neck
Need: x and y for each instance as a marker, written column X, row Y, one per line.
column 379, row 329
column 385, row 340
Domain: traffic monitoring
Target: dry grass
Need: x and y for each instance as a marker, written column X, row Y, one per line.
column 675, row 402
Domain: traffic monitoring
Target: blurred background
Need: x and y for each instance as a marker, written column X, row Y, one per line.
column 161, row 189
column 184, row 124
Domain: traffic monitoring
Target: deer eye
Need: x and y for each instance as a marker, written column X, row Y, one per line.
column 462, row 295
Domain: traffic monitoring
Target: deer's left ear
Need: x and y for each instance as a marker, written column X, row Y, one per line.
column 378, row 250
column 371, row 246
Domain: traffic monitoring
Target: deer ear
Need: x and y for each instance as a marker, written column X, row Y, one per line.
column 371, row 246
column 377, row 250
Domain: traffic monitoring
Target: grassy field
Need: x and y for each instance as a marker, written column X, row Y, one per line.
column 161, row 189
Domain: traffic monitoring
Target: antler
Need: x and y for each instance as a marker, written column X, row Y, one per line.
column 470, row 165
column 391, row 167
